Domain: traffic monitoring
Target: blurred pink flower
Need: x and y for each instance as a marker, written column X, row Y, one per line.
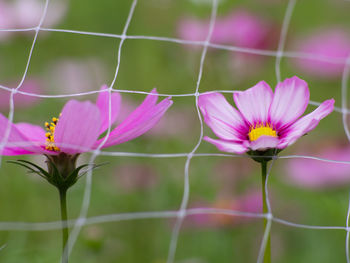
column 229, row 173
column 21, row 100
column 331, row 44
column 309, row 173
column 249, row 202
column 135, row 177
column 27, row 14
column 6, row 19
column 179, row 122
column 70, row 76
column 243, row 65
column 240, row 28
column 192, row 29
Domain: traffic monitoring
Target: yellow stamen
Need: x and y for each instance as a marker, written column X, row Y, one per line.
column 50, row 135
column 261, row 130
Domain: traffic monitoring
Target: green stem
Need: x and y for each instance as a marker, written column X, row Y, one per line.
column 267, row 255
column 63, row 202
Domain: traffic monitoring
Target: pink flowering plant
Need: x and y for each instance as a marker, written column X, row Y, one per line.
column 265, row 123
column 78, row 129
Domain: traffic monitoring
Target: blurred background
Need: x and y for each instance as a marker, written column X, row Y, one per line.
column 302, row 191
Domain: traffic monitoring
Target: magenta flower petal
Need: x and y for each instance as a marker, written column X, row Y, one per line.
column 18, row 143
column 78, row 128
column 227, row 146
column 305, row 124
column 254, row 103
column 147, row 104
column 289, row 102
column 225, row 121
column 263, row 143
column 103, row 105
column 139, row 121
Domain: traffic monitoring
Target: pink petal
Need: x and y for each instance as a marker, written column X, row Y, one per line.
column 227, row 146
column 254, row 103
column 103, row 105
column 263, row 143
column 225, row 121
column 78, row 128
column 34, row 133
column 146, row 105
column 17, row 143
column 305, row 124
column 139, row 121
column 289, row 102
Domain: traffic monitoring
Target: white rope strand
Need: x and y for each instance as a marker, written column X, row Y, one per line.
column 344, row 88
column 87, row 192
column 283, row 38
column 347, row 233
column 185, row 198
column 112, row 218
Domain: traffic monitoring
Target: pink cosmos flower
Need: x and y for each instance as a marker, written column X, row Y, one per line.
column 264, row 120
column 331, row 44
column 319, row 174
column 81, row 124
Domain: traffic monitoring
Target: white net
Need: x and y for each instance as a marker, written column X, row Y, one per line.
column 183, row 211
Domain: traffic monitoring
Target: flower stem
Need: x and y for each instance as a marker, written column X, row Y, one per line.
column 63, row 202
column 267, row 255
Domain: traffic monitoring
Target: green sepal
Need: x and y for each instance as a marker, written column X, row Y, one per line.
column 264, row 156
column 54, row 177
column 74, row 175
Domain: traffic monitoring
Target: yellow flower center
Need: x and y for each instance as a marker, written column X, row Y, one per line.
column 259, row 130
column 50, row 135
